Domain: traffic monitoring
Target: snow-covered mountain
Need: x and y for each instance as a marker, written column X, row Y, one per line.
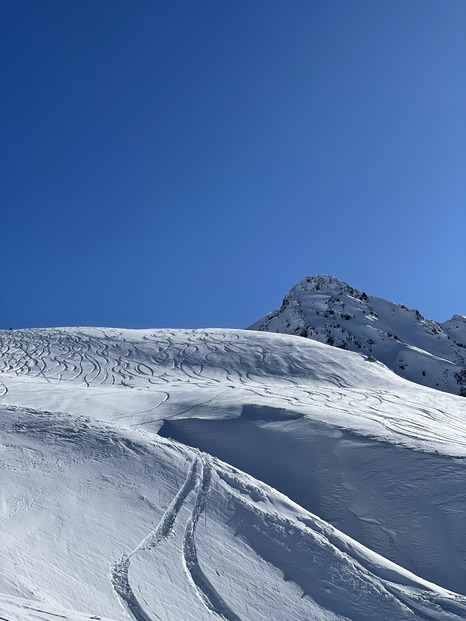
column 330, row 311
column 201, row 475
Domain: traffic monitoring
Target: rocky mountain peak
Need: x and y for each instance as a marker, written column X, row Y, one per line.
column 329, row 310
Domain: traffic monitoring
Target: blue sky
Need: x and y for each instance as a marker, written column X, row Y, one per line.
column 183, row 164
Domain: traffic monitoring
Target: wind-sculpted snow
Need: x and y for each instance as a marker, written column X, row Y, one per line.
column 103, row 516
column 409, row 506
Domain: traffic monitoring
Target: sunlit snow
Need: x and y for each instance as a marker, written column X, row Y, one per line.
column 224, row 474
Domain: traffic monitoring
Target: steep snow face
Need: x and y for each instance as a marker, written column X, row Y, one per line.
column 328, row 310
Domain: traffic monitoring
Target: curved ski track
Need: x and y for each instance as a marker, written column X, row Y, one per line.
column 207, row 593
column 198, row 478
column 207, row 359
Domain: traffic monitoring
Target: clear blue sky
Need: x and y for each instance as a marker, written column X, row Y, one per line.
column 183, row 164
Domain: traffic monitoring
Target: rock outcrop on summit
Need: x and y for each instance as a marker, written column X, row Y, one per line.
column 330, row 311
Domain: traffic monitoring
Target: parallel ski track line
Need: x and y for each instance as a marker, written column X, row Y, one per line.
column 206, row 592
column 199, row 477
column 96, row 368
column 120, row 570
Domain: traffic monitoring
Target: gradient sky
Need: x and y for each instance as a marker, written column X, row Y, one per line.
column 183, row 164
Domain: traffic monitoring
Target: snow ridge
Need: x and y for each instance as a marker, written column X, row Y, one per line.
column 330, row 311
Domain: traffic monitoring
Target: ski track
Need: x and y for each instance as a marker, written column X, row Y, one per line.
column 206, row 592
column 120, row 571
column 102, row 357
column 198, row 478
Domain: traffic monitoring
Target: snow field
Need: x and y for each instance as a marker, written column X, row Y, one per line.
column 103, row 516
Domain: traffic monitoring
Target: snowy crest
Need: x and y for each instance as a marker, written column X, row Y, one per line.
column 329, row 310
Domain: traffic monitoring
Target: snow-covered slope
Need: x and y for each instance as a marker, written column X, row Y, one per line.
column 20, row 609
column 116, row 499
column 328, row 310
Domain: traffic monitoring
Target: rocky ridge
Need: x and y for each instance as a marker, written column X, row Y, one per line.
column 330, row 311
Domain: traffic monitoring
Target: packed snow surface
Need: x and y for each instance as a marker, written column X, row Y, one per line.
column 225, row 474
